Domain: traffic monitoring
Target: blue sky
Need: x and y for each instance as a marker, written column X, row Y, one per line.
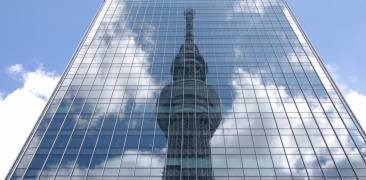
column 43, row 32
column 41, row 36
column 337, row 30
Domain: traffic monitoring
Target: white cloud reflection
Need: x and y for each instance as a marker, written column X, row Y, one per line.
column 131, row 163
column 245, row 127
column 133, row 71
column 250, row 6
column 130, row 60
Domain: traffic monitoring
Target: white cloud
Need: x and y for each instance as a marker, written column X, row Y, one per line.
column 20, row 109
column 15, row 69
column 355, row 99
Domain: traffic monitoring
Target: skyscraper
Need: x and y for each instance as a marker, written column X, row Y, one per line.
column 194, row 89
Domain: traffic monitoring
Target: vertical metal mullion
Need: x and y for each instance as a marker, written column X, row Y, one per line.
column 158, row 102
column 162, row 70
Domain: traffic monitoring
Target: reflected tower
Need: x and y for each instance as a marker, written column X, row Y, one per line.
column 189, row 112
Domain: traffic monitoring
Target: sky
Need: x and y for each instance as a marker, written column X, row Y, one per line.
column 38, row 37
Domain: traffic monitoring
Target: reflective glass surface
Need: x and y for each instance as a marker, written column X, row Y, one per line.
column 194, row 89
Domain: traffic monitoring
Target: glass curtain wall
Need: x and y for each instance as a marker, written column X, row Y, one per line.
column 194, row 89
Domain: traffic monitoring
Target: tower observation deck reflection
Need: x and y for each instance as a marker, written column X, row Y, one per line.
column 189, row 112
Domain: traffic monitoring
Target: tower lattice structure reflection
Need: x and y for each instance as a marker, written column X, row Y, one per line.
column 189, row 112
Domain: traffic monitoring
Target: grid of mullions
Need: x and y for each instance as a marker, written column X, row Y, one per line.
column 281, row 116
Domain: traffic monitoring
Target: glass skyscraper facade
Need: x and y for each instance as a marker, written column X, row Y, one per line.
column 194, row 90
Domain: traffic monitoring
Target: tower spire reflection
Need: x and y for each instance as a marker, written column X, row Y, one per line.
column 189, row 112
column 189, row 13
